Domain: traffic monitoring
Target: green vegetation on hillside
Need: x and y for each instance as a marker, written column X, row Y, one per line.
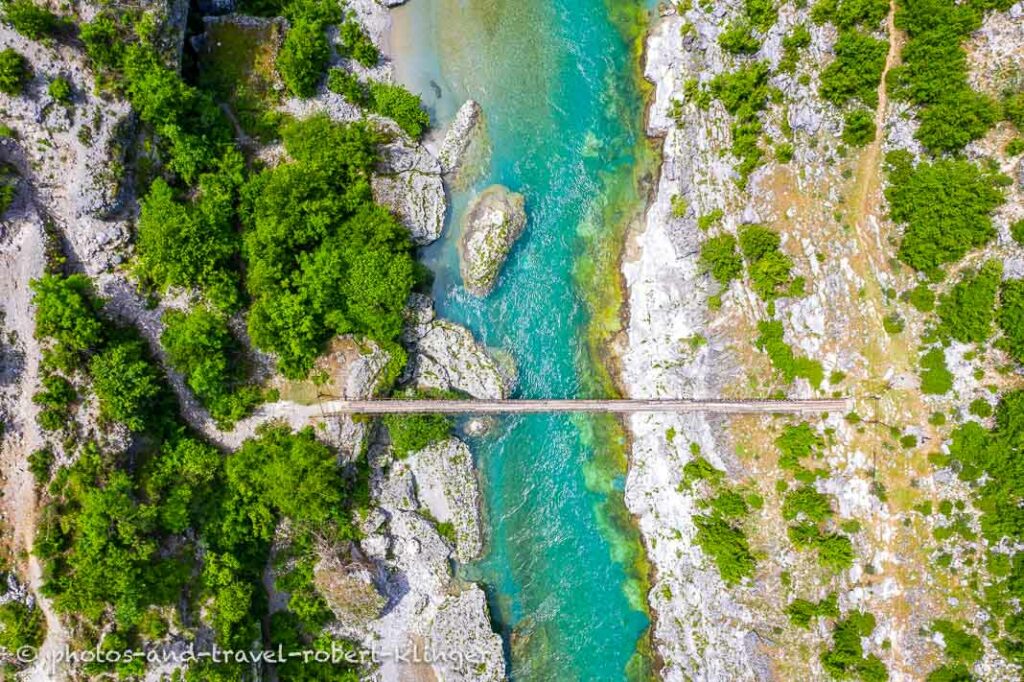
column 29, row 19
column 1011, row 317
column 791, row 366
column 967, row 311
column 846, row 659
column 744, row 93
column 719, row 531
column 946, row 207
column 719, row 257
column 855, row 72
column 14, row 72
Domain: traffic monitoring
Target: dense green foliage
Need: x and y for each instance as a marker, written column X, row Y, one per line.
column 400, row 105
column 356, row 44
column 968, row 309
column 200, row 345
column 14, row 72
column 850, row 13
column 739, row 38
column 807, row 503
column 1011, row 317
column 922, row 298
column 946, row 207
column 102, row 42
column 1017, row 231
column 933, row 72
column 768, row 266
column 744, row 93
column 193, row 243
column 412, row 432
column 21, row 625
column 30, row 20
column 66, row 313
column 718, row 256
column 793, row 43
column 856, row 71
column 303, row 58
column 846, row 659
column 719, row 532
column 802, row 611
column 323, row 259
column 858, row 127
column 55, row 399
column 126, row 383
column 936, row 379
column 791, row 366
column 993, row 463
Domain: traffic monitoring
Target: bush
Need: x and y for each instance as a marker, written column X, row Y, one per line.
column 1013, row 109
column 102, row 42
column 348, row 86
column 922, row 298
column 127, row 384
column 323, row 259
column 1017, row 232
column 770, row 340
column 400, row 105
column 719, row 257
column 850, row 13
column 769, row 268
column 21, row 626
column 968, row 309
column 201, row 347
column 193, row 244
column 846, row 657
column 357, row 45
column 30, row 20
column 1011, row 317
column 66, row 312
column 412, row 433
column 738, row 38
column 793, row 43
column 727, row 546
column 856, row 70
column 55, row 399
column 303, row 58
column 744, row 93
column 946, row 206
column 802, row 611
column 14, row 72
column 936, row 379
column 808, row 503
column 40, row 463
column 858, row 127
column 60, row 89
column 958, row 118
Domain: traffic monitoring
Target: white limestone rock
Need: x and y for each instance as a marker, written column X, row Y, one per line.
column 459, row 136
column 447, row 487
column 491, row 225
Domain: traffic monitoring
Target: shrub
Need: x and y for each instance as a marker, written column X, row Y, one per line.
column 979, row 407
column 14, row 72
column 769, row 268
column 66, row 311
column 1015, row 147
column 102, row 42
column 21, row 626
column 60, row 89
column 738, row 38
column 922, row 298
column 846, row 657
column 958, row 118
column 30, row 20
column 808, row 503
column 858, row 127
column 322, row 258
column 705, row 221
column 793, row 43
column 802, row 611
column 1011, row 317
column 936, row 379
column 55, row 399
column 850, row 13
column 200, row 346
column 744, row 93
column 40, row 463
column 727, row 546
column 194, row 243
column 1013, row 109
column 303, row 57
column 1017, row 232
column 357, row 45
column 719, row 257
column 348, row 86
column 968, row 309
column 791, row 366
column 856, row 70
column 960, row 646
column 412, row 433
column 946, row 206
column 400, row 105
column 127, row 384
column 784, row 152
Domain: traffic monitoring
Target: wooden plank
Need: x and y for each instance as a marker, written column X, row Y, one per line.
column 594, row 406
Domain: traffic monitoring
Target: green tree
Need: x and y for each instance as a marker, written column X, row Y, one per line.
column 719, row 257
column 14, row 72
column 303, row 58
column 126, row 383
column 858, row 127
column 856, row 70
column 67, row 312
column 968, row 309
column 30, row 20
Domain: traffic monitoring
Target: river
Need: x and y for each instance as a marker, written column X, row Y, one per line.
column 558, row 82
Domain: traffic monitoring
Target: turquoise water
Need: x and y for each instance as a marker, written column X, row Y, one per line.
column 555, row 79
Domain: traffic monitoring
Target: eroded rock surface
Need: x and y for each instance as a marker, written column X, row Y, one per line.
column 491, row 225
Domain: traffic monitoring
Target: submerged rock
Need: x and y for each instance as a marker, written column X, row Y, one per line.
column 492, row 224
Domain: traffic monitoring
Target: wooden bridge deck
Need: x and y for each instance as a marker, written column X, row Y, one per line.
column 606, row 406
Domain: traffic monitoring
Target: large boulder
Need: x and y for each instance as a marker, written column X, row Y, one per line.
column 459, row 135
column 446, row 486
column 491, row 226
